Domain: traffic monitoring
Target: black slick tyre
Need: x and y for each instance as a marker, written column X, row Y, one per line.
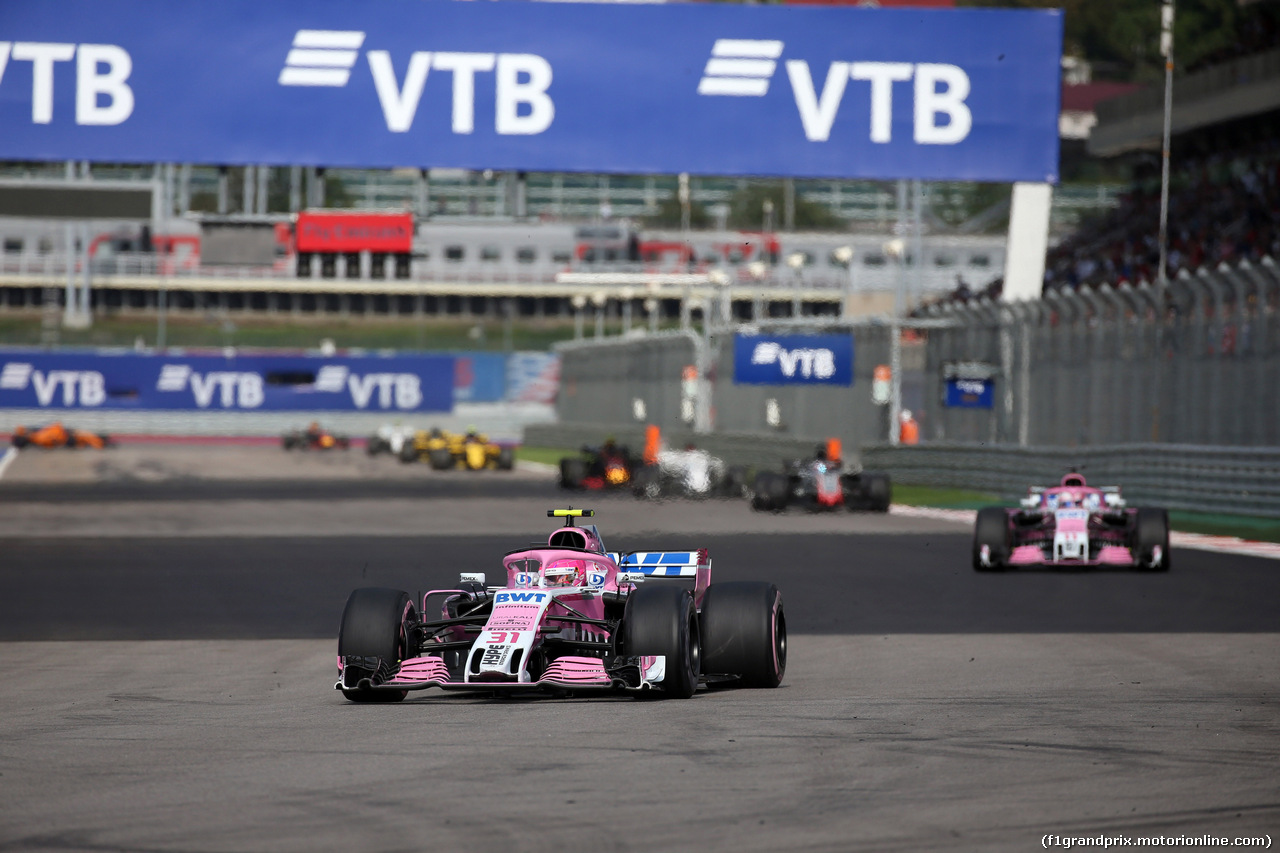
column 878, row 492
column 440, row 459
column 744, row 633
column 506, row 459
column 992, row 530
column 408, row 453
column 771, row 492
column 646, row 483
column 572, row 473
column 661, row 620
column 373, row 627
column 1151, row 529
column 734, row 484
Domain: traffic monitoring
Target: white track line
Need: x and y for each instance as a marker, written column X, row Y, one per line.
column 1199, row 541
column 7, row 459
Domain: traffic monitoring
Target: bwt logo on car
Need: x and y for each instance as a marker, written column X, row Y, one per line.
column 744, row 67
column 235, row 389
column 521, row 80
column 512, row 597
column 79, row 387
column 103, row 96
column 404, row 390
column 812, row 363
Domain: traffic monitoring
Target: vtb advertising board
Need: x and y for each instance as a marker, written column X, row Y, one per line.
column 713, row 89
column 74, row 380
column 793, row 359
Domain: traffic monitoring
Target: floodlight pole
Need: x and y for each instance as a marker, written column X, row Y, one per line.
column 1166, row 49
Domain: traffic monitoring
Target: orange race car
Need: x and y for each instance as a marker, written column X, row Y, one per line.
column 57, row 435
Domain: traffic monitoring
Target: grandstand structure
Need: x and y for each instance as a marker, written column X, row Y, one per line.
column 1224, row 198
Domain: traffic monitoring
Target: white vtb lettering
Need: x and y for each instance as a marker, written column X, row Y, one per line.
column 522, row 105
column 101, row 72
column 818, row 110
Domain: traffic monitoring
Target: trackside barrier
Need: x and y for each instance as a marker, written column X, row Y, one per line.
column 754, row 451
column 1242, row 481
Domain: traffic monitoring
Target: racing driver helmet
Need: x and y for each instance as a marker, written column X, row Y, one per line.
column 565, row 573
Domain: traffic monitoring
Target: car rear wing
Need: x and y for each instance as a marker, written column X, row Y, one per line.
column 661, row 564
column 673, row 565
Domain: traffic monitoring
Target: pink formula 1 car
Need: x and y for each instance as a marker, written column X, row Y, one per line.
column 571, row 617
column 1072, row 524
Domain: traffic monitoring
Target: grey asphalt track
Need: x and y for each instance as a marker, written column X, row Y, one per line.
column 174, row 692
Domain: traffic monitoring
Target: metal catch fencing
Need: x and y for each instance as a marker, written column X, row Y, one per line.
column 1241, row 481
column 683, row 382
column 1198, row 364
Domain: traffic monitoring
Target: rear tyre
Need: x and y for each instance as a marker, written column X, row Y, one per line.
column 744, row 633
column 440, row 459
column 408, row 453
column 506, row 459
column 373, row 627
column 1150, row 531
column 572, row 473
column 645, row 482
column 879, row 494
column 992, row 530
column 735, row 481
column 375, row 445
column 661, row 620
column 19, row 441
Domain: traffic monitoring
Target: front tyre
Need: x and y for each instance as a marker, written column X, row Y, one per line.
column 1151, row 530
column 991, row 530
column 661, row 620
column 373, row 627
column 771, row 492
column 744, row 633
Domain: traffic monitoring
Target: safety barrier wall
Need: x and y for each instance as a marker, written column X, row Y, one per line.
column 753, row 451
column 1198, row 364
column 1244, row 481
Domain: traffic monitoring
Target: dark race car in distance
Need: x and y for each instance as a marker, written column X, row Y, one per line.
column 821, row 482
column 609, row 466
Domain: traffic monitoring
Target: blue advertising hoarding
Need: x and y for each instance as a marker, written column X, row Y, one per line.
column 793, row 359
column 134, row 381
column 714, row 89
column 969, row 393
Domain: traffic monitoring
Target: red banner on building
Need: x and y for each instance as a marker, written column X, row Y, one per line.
column 355, row 232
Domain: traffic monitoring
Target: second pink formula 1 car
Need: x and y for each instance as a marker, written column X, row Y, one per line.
column 1072, row 524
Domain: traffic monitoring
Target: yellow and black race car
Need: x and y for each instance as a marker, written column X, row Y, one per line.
column 472, row 451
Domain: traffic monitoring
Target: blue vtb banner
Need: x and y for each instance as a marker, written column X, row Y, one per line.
column 793, row 359
column 969, row 393
column 479, row 377
column 713, row 89
column 35, row 379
